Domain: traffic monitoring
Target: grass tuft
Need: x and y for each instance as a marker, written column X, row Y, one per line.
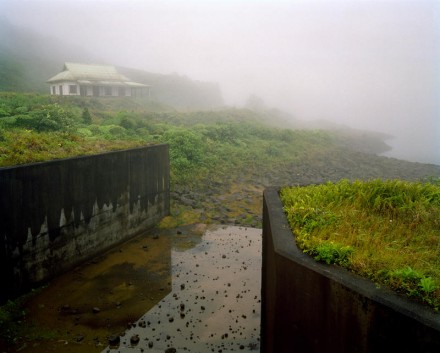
column 387, row 231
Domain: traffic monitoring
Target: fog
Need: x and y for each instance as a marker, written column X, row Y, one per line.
column 367, row 64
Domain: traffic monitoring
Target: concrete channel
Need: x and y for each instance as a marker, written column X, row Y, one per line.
column 214, row 303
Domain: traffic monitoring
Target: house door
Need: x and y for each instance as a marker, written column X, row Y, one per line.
column 83, row 91
column 95, row 91
column 61, row 90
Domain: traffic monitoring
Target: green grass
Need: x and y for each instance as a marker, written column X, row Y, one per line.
column 387, row 231
column 204, row 145
column 26, row 146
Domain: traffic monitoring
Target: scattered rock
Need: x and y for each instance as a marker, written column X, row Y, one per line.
column 134, row 340
column 114, row 340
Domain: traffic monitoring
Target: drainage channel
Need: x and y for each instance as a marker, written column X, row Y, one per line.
column 214, row 304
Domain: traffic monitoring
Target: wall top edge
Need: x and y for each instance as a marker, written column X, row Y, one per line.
column 87, row 156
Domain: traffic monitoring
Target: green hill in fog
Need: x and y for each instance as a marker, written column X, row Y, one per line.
column 28, row 59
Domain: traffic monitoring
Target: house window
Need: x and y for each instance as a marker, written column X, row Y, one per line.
column 61, row 90
column 72, row 89
column 54, row 90
column 108, row 91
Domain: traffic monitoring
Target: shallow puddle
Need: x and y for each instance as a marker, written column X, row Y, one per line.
column 214, row 304
column 77, row 311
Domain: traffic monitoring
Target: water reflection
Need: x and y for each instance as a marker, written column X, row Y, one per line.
column 215, row 300
column 83, row 307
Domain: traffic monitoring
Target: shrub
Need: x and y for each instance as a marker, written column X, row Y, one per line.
column 51, row 117
column 86, row 117
column 331, row 253
column 186, row 151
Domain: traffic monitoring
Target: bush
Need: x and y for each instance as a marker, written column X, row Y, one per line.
column 51, row 117
column 84, row 132
column 127, row 123
column 86, row 117
column 186, row 151
column 112, row 131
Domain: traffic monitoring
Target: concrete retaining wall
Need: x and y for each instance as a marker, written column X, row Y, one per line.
column 312, row 307
column 56, row 215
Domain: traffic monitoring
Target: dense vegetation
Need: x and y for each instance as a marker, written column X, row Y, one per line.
column 387, row 231
column 202, row 144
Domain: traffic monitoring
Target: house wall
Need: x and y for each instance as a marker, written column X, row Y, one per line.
column 63, row 88
column 56, row 215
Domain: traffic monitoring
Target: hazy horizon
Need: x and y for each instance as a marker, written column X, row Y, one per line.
column 367, row 64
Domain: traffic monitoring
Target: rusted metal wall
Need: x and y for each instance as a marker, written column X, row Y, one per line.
column 58, row 214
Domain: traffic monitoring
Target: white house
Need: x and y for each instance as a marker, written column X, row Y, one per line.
column 95, row 81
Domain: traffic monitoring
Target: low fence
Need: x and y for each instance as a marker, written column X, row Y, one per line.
column 311, row 307
column 58, row 214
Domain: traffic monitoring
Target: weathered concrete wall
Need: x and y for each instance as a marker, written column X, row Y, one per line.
column 56, row 215
column 311, row 307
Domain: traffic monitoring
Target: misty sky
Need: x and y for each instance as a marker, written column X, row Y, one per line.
column 367, row 64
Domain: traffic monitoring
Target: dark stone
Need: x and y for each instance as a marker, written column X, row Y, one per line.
column 114, row 340
column 134, row 340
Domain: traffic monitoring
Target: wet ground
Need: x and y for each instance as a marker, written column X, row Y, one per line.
column 200, row 289
column 214, row 305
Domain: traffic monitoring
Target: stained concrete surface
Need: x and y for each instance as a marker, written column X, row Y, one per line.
column 214, row 304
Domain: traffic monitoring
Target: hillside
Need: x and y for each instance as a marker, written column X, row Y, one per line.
column 178, row 91
column 28, row 59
